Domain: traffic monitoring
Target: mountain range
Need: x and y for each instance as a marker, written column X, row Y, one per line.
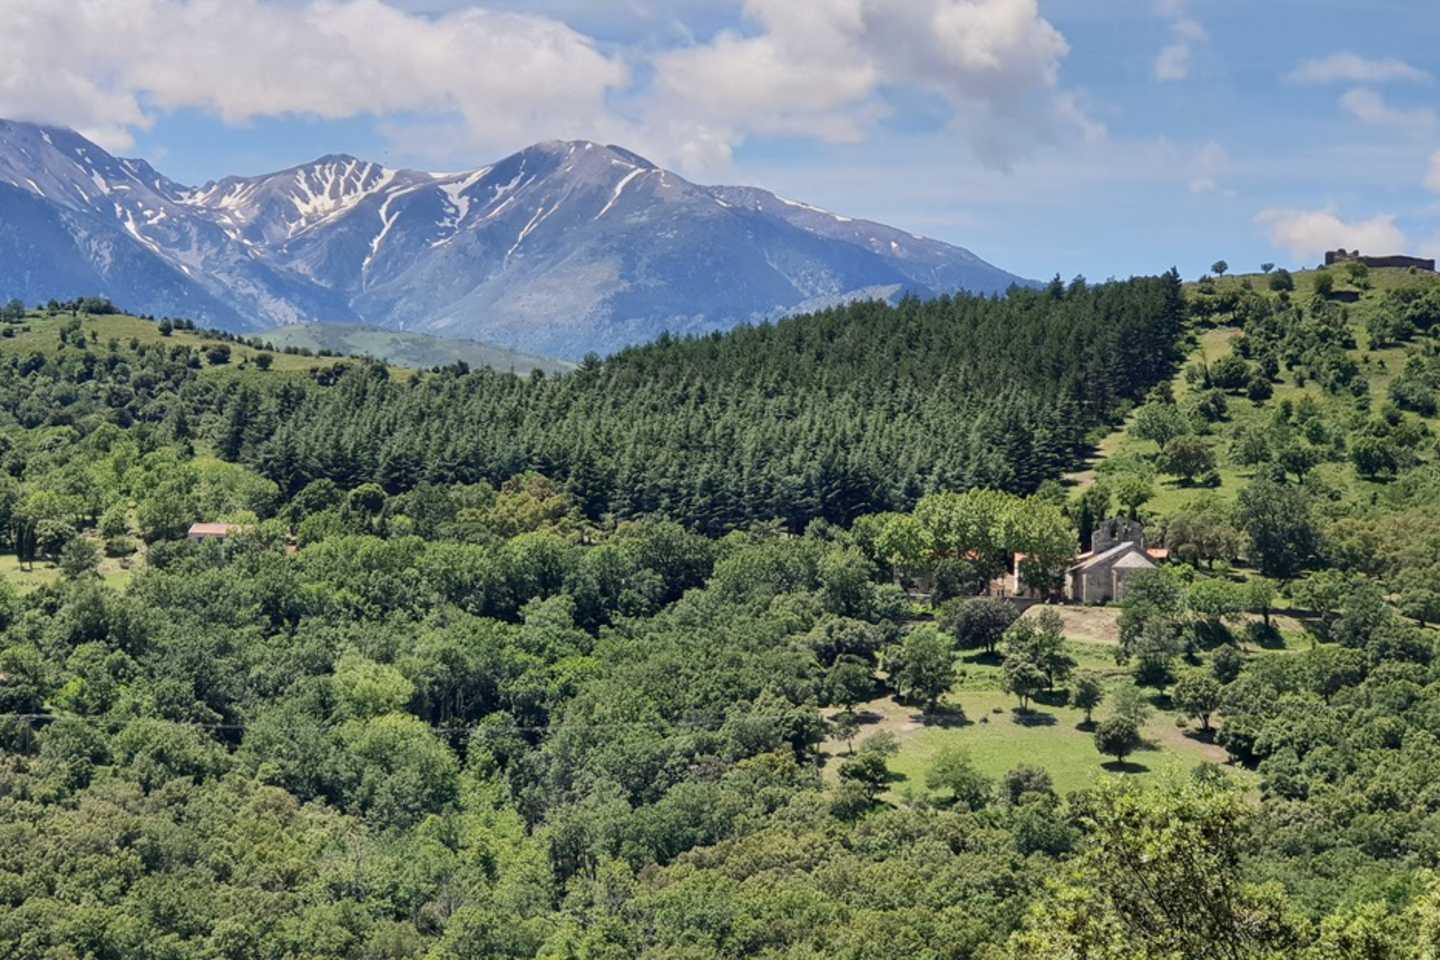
column 560, row 249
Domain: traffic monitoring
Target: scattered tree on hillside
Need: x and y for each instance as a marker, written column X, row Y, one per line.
column 867, row 767
column 922, row 666
column 1277, row 518
column 1039, row 639
column 1152, row 622
column 1117, row 737
column 1202, row 531
column 1087, row 693
column 1197, row 695
column 1023, row 678
column 1260, row 597
column 849, row 682
column 978, row 623
column 1133, row 489
column 1160, row 422
column 1187, row 457
column 953, row 771
column 844, row 726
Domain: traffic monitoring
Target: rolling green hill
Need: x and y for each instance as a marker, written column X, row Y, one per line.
column 408, row 349
column 300, row 349
column 46, row 334
column 1378, row 355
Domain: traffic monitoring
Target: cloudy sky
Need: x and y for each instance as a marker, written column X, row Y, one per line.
column 1103, row 137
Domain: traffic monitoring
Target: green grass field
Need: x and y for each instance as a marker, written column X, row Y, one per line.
column 114, row 573
column 978, row 717
column 39, row 333
column 998, row 739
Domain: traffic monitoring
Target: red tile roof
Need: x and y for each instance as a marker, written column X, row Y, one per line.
column 213, row 529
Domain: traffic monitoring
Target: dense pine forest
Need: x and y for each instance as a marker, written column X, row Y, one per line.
column 832, row 416
column 598, row 665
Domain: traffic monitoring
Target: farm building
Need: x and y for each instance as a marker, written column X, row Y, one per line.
column 212, row 531
column 1117, row 551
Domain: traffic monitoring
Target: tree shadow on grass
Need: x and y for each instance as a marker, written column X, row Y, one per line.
column 946, row 716
column 1124, row 766
column 1269, row 638
column 1200, row 736
column 868, row 717
column 982, row 658
column 1032, row 718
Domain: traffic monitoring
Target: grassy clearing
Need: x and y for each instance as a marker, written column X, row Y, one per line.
column 115, row 573
column 1054, row 737
column 27, row 578
column 987, row 726
column 980, row 718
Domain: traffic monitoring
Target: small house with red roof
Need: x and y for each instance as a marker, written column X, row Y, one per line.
column 212, row 531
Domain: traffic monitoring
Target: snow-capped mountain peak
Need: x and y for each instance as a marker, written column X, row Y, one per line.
column 277, row 207
column 561, row 248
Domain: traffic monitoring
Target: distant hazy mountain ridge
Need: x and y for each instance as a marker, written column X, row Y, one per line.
column 560, row 249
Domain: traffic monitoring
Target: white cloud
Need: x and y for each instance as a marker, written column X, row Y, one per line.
column 1174, row 60
column 104, row 67
column 1206, row 168
column 1072, row 114
column 1352, row 68
column 480, row 74
column 820, row 69
column 1309, row 233
column 1432, row 176
column 1368, row 106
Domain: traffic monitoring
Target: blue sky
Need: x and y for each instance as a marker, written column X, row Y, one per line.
column 1102, row 137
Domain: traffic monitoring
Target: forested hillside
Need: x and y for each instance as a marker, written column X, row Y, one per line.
column 594, row 666
column 848, row 412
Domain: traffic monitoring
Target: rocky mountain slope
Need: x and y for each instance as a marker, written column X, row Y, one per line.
column 560, row 249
